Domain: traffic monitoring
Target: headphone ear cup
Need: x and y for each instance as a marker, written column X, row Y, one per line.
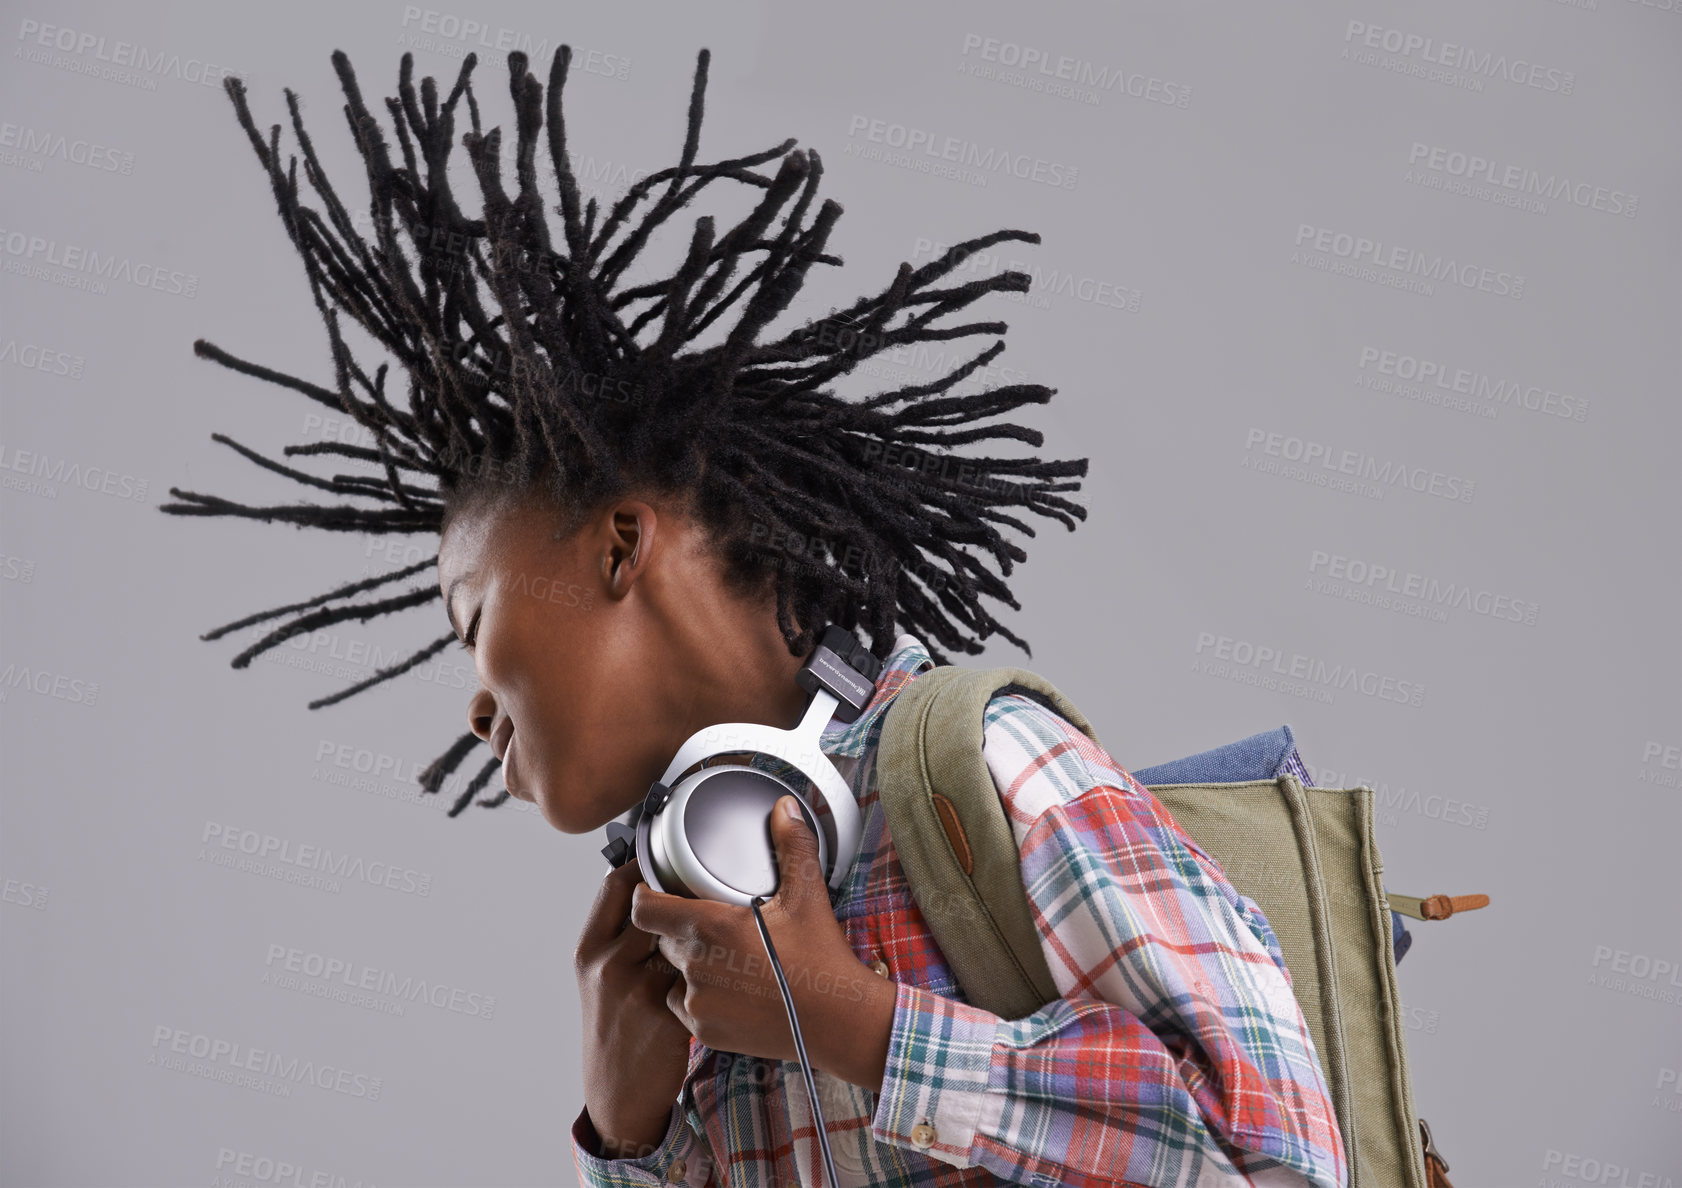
column 711, row 838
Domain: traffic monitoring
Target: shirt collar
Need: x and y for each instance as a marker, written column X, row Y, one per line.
column 850, row 739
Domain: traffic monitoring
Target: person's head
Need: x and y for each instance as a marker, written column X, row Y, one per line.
column 646, row 515
column 602, row 642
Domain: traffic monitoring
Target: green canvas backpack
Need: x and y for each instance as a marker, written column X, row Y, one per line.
column 1305, row 855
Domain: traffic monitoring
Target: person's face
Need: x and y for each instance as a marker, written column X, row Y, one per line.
column 561, row 663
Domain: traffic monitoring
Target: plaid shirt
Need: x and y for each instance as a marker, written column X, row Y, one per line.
column 1176, row 1054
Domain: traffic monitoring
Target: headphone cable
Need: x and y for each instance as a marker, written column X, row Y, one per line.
column 799, row 1044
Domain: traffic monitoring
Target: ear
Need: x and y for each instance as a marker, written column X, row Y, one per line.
column 628, row 529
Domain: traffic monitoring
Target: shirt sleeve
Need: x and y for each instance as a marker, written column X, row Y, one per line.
column 1176, row 1055
column 682, row 1157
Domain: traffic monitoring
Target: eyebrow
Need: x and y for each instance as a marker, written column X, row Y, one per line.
column 449, row 594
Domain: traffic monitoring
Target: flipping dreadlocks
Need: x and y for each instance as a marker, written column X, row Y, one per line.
column 513, row 390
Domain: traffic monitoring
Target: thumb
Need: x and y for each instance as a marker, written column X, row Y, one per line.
column 798, row 871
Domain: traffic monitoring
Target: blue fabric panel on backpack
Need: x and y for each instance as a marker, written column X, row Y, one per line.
column 1258, row 757
column 1262, row 756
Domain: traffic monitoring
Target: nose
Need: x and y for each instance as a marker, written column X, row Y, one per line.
column 481, row 713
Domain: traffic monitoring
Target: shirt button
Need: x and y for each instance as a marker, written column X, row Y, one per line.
column 880, row 967
column 922, row 1136
column 674, row 1173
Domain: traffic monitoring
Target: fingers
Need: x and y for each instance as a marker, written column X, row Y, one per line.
column 636, row 947
column 610, row 937
column 800, row 876
column 611, row 909
column 673, row 915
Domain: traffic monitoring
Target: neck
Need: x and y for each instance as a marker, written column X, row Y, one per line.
column 730, row 664
column 755, row 680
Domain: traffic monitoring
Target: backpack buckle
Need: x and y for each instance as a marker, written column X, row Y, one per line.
column 1430, row 1146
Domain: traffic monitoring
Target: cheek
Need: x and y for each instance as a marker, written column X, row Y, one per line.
column 516, row 651
column 581, row 752
column 529, row 667
column 568, row 682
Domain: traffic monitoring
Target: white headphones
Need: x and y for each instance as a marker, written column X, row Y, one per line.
column 707, row 834
column 709, row 837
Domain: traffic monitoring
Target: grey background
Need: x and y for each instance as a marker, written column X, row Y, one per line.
column 1543, row 1030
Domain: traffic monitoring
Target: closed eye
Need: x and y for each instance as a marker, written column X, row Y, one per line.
column 472, row 632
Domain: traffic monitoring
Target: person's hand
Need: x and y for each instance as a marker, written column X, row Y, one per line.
column 727, row 994
column 636, row 1052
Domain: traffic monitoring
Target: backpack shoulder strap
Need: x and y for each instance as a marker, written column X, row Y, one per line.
column 953, row 838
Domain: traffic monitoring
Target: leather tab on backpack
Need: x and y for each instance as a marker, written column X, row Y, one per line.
column 1434, row 907
column 1441, row 907
column 954, row 832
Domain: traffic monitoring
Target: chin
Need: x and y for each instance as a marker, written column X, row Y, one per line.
column 560, row 822
column 568, row 806
column 567, row 819
column 588, row 818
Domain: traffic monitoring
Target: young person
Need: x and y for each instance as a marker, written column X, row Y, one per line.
column 645, row 518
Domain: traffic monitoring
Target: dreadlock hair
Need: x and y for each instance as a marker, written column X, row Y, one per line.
column 511, row 341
